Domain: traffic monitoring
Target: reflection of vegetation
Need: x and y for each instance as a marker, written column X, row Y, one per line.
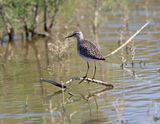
column 67, row 97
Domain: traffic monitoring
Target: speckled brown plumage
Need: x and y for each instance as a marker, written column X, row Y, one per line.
column 89, row 50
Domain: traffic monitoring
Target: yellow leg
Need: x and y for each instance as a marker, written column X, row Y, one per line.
column 94, row 71
column 86, row 73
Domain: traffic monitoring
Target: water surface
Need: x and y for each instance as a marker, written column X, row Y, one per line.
column 135, row 98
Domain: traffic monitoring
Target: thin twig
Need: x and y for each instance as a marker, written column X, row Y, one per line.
column 123, row 45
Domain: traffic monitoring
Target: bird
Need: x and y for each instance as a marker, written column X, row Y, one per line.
column 87, row 50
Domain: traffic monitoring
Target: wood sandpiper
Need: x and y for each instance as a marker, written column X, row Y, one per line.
column 87, row 51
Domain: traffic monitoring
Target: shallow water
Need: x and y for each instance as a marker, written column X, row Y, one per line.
column 135, row 98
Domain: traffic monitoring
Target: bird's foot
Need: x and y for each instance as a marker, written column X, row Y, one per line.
column 92, row 79
column 83, row 79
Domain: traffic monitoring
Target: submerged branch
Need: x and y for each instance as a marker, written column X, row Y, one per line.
column 77, row 78
column 86, row 97
column 53, row 82
column 89, row 80
column 123, row 45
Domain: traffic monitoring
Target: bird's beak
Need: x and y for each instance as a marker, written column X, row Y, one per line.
column 70, row 36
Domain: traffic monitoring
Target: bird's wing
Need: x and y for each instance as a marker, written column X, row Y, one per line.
column 89, row 50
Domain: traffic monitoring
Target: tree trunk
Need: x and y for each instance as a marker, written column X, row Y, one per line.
column 46, row 15
column 8, row 26
column 11, row 34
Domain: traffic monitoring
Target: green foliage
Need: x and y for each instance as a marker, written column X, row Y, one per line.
column 110, row 5
column 18, row 8
column 68, row 9
column 53, row 3
column 54, row 6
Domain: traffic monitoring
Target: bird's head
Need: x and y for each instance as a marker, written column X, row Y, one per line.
column 76, row 34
